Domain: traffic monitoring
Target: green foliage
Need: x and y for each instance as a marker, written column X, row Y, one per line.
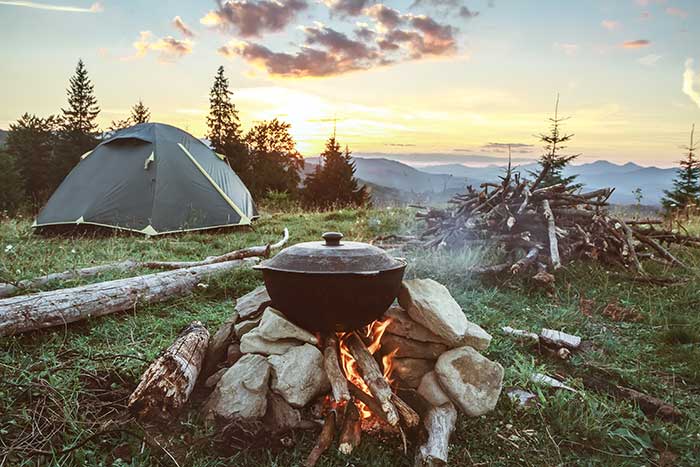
column 552, row 161
column 274, row 162
column 32, row 141
column 686, row 185
column 333, row 183
column 12, row 192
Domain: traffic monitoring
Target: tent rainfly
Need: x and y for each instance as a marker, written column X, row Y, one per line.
column 153, row 179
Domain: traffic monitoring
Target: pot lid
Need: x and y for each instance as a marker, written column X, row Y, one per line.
column 332, row 256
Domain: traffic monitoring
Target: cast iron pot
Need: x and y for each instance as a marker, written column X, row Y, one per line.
column 332, row 285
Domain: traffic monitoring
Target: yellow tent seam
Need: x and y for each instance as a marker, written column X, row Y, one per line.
column 244, row 218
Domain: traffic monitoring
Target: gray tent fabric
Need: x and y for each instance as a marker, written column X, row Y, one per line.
column 151, row 178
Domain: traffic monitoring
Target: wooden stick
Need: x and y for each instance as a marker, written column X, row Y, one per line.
column 324, row 440
column 167, row 383
column 129, row 265
column 351, row 432
column 408, row 415
column 331, row 363
column 552, row 231
column 59, row 307
column 373, row 377
column 369, row 401
column 439, row 424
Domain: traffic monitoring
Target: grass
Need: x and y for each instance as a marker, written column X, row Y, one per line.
column 73, row 381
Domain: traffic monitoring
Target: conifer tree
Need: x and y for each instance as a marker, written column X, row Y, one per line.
column 224, row 126
column 552, row 162
column 333, row 183
column 686, row 185
column 140, row 114
column 79, row 125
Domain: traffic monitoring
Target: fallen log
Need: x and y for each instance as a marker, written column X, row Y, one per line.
column 59, row 307
column 129, row 265
column 331, row 363
column 439, row 423
column 167, row 383
column 373, row 377
column 552, row 234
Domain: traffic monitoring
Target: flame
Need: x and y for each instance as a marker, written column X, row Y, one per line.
column 374, row 333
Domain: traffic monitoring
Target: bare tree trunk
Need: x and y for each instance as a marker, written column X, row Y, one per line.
column 439, row 424
column 167, row 383
column 60, row 307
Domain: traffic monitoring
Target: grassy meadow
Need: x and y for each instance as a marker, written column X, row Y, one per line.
column 63, row 391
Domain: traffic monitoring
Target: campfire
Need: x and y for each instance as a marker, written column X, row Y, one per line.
column 406, row 374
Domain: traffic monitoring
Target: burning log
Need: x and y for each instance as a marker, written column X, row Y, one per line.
column 351, row 432
column 409, row 416
column 324, row 439
column 373, row 377
column 439, row 423
column 167, row 383
column 339, row 384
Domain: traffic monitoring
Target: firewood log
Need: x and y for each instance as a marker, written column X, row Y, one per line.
column 351, row 432
column 551, row 229
column 324, row 440
column 167, row 383
column 373, row 377
column 439, row 424
column 331, row 363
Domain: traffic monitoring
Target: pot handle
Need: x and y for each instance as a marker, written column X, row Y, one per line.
column 332, row 238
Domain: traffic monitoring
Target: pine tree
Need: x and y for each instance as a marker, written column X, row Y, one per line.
column 140, row 114
column 274, row 160
column 12, row 192
column 79, row 125
column 224, row 126
column 686, row 185
column 31, row 142
column 552, row 162
column 333, row 183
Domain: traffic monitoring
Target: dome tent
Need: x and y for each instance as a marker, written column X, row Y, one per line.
column 154, row 179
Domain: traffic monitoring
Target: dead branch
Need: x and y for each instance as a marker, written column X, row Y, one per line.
column 351, row 432
column 324, row 439
column 331, row 363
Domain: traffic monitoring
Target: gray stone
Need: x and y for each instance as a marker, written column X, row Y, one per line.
column 472, row 381
column 216, row 349
column 411, row 370
column 274, row 326
column 241, row 393
column 431, row 390
column 403, row 347
column 298, row 375
column 243, row 327
column 253, row 342
column 403, row 325
column 233, row 353
column 252, row 303
column 214, row 379
column 430, row 304
column 281, row 416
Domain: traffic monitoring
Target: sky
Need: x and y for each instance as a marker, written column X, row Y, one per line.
column 447, row 77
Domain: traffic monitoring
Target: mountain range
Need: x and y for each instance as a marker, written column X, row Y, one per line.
column 438, row 183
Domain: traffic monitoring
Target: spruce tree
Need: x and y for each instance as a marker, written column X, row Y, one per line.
column 686, row 185
column 552, row 162
column 224, row 127
column 79, row 125
column 333, row 183
column 140, row 114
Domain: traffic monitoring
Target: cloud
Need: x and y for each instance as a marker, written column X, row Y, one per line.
column 568, row 49
column 364, row 33
column 649, row 60
column 250, row 18
column 384, row 15
column 347, row 7
column 437, row 39
column 518, row 148
column 673, row 11
column 338, row 43
column 636, row 44
column 691, row 82
column 182, row 27
column 465, row 12
column 94, row 8
column 610, row 24
column 169, row 49
column 449, row 6
column 305, row 63
column 400, row 145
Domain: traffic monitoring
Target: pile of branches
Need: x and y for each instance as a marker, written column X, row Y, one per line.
column 542, row 227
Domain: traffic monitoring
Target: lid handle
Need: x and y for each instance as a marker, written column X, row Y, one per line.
column 332, row 238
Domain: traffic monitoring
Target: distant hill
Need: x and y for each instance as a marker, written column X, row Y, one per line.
column 599, row 174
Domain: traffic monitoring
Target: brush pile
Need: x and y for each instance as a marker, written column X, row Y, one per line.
column 542, row 227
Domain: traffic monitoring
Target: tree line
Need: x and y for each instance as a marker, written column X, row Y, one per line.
column 40, row 152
